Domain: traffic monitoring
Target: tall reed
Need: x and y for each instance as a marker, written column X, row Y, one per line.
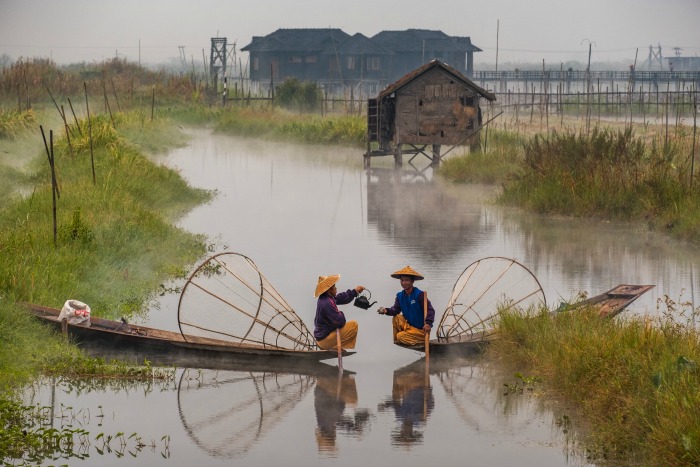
column 633, row 382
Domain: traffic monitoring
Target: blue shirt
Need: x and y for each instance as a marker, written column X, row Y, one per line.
column 411, row 305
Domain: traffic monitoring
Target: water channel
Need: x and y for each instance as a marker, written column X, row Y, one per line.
column 304, row 211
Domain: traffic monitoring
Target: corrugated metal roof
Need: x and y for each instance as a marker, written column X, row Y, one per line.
column 409, row 77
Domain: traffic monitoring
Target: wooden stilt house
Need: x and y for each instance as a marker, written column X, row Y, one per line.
column 432, row 105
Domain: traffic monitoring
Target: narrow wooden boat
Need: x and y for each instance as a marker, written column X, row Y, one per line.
column 612, row 302
column 456, row 345
column 494, row 285
column 156, row 344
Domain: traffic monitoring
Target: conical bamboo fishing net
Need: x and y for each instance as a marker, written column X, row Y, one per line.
column 485, row 289
column 227, row 298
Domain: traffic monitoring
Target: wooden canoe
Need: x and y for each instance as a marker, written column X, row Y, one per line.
column 608, row 304
column 154, row 344
column 614, row 300
column 458, row 345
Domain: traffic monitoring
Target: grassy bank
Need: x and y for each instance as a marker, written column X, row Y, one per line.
column 611, row 174
column 283, row 126
column 115, row 243
column 634, row 384
column 501, row 158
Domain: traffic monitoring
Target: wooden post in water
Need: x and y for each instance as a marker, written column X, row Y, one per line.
column 340, row 349
column 427, row 334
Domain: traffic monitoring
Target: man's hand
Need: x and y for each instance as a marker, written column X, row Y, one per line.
column 381, row 310
column 359, row 289
column 427, row 328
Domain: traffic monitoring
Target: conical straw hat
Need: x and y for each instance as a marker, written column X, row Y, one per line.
column 325, row 283
column 407, row 271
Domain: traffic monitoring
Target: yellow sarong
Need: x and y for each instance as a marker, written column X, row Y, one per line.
column 348, row 337
column 406, row 334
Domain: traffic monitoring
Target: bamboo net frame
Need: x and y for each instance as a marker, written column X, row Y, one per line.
column 227, row 298
column 485, row 289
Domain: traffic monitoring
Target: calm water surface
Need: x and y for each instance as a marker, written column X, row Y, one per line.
column 300, row 212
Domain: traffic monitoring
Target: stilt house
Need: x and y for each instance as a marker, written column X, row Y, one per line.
column 432, row 105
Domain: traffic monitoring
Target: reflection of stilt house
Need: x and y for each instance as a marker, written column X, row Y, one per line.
column 433, row 105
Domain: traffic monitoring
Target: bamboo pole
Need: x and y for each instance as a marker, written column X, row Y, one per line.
column 92, row 155
column 77, row 125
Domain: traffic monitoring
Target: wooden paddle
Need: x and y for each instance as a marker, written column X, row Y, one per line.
column 427, row 334
column 340, row 350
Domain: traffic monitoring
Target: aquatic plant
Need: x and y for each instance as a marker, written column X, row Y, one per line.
column 634, row 382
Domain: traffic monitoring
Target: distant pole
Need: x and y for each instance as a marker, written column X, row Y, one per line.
column 695, row 130
column 498, row 25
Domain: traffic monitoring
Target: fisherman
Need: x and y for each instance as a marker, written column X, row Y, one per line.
column 411, row 323
column 329, row 318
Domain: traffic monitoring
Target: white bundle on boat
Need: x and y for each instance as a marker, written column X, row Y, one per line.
column 76, row 312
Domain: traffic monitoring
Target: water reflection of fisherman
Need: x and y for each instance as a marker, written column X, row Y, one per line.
column 331, row 395
column 329, row 318
column 409, row 323
column 412, row 401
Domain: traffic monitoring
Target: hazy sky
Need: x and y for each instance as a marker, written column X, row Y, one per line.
column 528, row 31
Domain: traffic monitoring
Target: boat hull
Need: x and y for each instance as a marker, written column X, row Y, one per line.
column 157, row 345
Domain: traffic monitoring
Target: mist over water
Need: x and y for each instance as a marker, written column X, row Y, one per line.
column 303, row 211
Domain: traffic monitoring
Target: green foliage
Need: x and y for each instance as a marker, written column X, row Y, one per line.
column 304, row 96
column 26, row 434
column 76, row 231
column 502, row 158
column 636, row 381
column 611, row 174
column 13, row 122
column 347, row 130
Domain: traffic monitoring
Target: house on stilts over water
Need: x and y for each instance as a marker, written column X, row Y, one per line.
column 433, row 105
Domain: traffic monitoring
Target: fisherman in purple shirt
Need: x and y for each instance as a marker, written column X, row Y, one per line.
column 411, row 321
column 329, row 318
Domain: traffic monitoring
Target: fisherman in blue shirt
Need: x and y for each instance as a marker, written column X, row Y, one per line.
column 410, row 322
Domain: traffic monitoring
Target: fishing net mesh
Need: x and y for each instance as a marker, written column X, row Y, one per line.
column 228, row 299
column 485, row 289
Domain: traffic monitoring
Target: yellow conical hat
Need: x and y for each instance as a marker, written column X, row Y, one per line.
column 407, row 271
column 325, row 283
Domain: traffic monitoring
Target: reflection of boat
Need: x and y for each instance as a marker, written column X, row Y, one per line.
column 226, row 413
column 612, row 302
column 154, row 342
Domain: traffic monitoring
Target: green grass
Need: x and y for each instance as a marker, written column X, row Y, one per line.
column 283, row 126
column 633, row 384
column 501, row 159
column 115, row 244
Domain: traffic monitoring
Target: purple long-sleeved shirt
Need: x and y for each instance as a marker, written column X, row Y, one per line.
column 328, row 316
